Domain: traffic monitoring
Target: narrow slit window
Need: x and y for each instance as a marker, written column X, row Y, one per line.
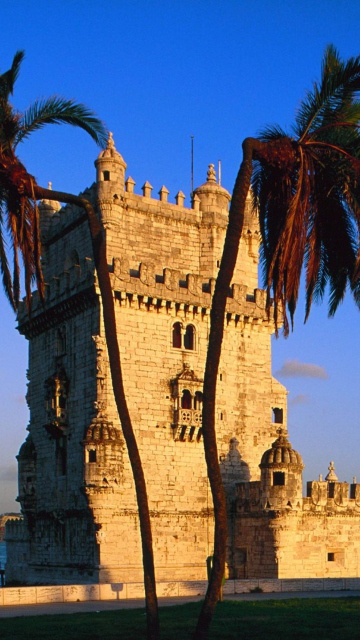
column 189, row 337
column 61, row 456
column 92, row 455
column 106, row 175
column 176, row 335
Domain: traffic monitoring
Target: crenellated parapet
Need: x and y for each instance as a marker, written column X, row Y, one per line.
column 151, row 286
column 331, row 495
column 280, row 490
column 15, row 530
column 68, row 293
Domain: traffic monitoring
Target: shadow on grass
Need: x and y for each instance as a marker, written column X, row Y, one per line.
column 323, row 619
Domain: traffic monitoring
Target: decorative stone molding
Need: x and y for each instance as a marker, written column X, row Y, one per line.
column 100, row 404
column 147, row 273
column 187, row 396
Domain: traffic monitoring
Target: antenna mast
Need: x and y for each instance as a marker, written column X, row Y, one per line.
column 192, row 164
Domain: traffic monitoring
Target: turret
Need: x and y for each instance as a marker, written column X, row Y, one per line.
column 49, row 213
column 281, row 475
column 110, row 172
column 27, row 478
column 212, row 200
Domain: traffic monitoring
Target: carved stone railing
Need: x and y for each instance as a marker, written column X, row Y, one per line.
column 187, row 425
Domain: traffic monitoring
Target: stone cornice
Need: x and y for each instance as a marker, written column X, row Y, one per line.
column 135, row 294
column 64, row 310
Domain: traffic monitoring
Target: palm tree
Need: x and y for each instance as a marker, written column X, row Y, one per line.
column 307, row 190
column 20, row 219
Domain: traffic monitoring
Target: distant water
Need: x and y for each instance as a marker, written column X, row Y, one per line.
column 2, row 554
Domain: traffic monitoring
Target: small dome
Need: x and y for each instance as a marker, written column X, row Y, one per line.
column 281, row 453
column 331, row 476
column 110, row 152
column 27, row 449
column 49, row 206
column 211, row 186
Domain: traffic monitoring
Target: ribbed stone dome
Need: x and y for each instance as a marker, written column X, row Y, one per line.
column 27, row 449
column 281, row 452
column 102, row 431
column 211, row 187
column 110, row 151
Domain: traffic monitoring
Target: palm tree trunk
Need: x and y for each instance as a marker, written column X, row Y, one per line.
column 228, row 261
column 98, row 244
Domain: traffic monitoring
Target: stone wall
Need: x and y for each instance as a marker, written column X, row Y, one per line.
column 134, row 590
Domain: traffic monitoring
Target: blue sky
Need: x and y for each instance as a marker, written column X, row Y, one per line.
column 158, row 73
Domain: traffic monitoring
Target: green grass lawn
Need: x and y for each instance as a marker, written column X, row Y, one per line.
column 314, row 619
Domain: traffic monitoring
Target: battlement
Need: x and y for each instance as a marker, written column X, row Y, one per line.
column 321, row 496
column 15, row 529
column 145, row 287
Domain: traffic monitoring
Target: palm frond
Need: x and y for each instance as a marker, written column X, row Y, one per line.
column 340, row 83
column 57, row 110
column 331, row 258
column 8, row 79
column 4, row 265
column 271, row 132
column 307, row 190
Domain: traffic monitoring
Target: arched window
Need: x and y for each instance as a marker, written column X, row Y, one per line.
column 61, row 341
column 183, row 338
column 56, row 390
column 198, row 401
column 176, row 335
column 189, row 337
column 61, row 456
column 186, row 399
column 278, row 415
column 71, row 260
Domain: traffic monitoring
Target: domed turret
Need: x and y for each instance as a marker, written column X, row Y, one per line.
column 110, row 171
column 212, row 201
column 49, row 212
column 103, row 446
column 281, row 475
column 27, row 477
column 213, row 197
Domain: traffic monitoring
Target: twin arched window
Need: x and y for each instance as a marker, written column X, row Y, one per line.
column 183, row 338
column 191, row 402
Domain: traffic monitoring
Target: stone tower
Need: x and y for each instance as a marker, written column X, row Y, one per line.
column 281, row 475
column 81, row 521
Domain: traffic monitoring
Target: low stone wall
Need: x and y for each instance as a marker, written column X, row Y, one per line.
column 125, row 591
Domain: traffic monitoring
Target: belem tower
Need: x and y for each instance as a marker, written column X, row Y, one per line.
column 75, row 484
